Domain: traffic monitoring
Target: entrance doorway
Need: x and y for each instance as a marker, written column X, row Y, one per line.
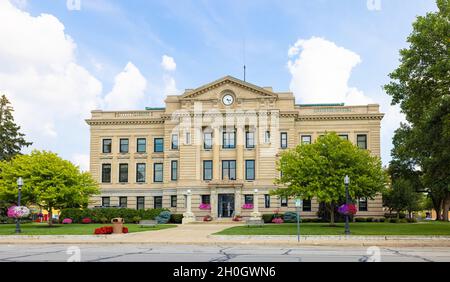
column 225, row 205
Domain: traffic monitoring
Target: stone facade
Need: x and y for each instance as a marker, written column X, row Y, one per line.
column 246, row 125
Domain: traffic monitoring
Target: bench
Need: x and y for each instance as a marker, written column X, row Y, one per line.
column 254, row 222
column 148, row 223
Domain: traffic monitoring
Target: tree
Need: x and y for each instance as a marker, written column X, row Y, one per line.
column 421, row 86
column 49, row 181
column 318, row 170
column 403, row 197
column 11, row 140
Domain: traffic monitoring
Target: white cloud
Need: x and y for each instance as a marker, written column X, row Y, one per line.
column 320, row 72
column 170, row 87
column 81, row 160
column 128, row 91
column 168, row 63
column 40, row 75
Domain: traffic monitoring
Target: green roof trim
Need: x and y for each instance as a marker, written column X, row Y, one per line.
column 321, row 105
column 154, row 109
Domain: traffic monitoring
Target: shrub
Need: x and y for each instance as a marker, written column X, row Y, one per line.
column 176, row 218
column 277, row 220
column 136, row 219
column 290, row 217
column 381, row 219
column 103, row 220
column 67, row 221
column 360, row 219
column 163, row 217
column 104, row 215
column 267, row 217
column 369, row 219
column 311, row 220
column 411, row 220
column 394, row 220
column 86, row 220
column 394, row 215
column 403, row 220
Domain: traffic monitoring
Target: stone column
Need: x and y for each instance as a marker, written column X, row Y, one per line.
column 240, row 151
column 188, row 216
column 216, row 153
column 255, row 215
column 237, row 201
column 214, row 202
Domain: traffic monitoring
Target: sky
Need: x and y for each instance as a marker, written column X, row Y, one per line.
column 60, row 59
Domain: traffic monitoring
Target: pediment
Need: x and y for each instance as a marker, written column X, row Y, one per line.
column 243, row 89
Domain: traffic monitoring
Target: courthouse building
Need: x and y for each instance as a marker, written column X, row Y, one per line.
column 216, row 147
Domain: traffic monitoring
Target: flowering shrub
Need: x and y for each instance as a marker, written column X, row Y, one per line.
column 18, row 212
column 247, row 206
column 204, row 206
column 86, row 220
column 125, row 230
column 104, row 230
column 347, row 209
column 207, row 218
column 277, row 220
column 67, row 221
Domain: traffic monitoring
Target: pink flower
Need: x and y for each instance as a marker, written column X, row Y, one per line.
column 277, row 220
column 18, row 212
column 67, row 221
column 247, row 206
column 205, row 206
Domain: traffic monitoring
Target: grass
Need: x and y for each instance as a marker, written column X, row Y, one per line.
column 70, row 229
column 360, row 228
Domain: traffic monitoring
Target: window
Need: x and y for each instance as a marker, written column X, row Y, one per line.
column 361, row 140
column 174, row 142
column 206, row 199
column 284, row 201
column 124, row 145
column 140, row 173
column 306, row 139
column 107, row 144
column 123, row 173
column 249, row 170
column 267, row 137
column 207, row 170
column 187, row 140
column 157, row 172
column 140, row 203
column 106, row 201
column 174, row 170
column 157, row 202
column 207, row 140
column 248, row 199
column 229, row 170
column 173, row 201
column 141, row 145
column 306, row 205
column 158, row 145
column 106, row 173
column 229, row 140
column 267, row 201
column 123, row 202
column 249, row 139
column 362, row 204
column 343, row 136
column 284, row 141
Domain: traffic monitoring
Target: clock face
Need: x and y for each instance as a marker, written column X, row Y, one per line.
column 228, row 99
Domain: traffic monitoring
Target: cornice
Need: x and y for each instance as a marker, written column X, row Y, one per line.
column 341, row 117
column 93, row 122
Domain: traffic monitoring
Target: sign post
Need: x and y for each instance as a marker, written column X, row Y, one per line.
column 298, row 205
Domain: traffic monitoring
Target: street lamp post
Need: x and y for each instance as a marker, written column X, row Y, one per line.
column 19, row 184
column 347, row 202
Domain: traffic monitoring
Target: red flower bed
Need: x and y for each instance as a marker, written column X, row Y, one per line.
column 125, row 230
column 103, row 230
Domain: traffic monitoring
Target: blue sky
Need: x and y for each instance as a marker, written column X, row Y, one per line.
column 119, row 43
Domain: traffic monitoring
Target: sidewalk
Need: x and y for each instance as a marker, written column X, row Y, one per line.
column 202, row 234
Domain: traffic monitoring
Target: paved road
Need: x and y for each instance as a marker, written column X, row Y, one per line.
column 215, row 253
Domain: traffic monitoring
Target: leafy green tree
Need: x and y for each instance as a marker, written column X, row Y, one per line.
column 403, row 197
column 11, row 140
column 318, row 170
column 49, row 181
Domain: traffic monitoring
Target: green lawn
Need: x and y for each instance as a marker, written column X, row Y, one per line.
column 69, row 229
column 363, row 228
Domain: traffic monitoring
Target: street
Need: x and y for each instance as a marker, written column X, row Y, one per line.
column 216, row 253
